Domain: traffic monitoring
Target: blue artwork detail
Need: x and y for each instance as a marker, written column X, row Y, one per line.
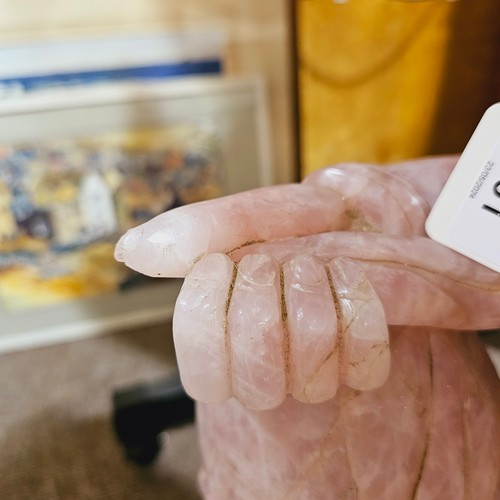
column 154, row 72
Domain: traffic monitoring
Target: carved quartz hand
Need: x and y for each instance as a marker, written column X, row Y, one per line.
column 281, row 334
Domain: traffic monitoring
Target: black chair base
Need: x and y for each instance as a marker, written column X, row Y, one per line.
column 142, row 412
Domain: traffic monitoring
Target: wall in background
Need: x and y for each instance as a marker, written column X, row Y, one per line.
column 258, row 33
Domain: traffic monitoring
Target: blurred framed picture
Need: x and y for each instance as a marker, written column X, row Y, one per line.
column 38, row 65
column 80, row 166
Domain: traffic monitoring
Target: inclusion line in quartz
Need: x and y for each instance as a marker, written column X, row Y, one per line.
column 169, row 244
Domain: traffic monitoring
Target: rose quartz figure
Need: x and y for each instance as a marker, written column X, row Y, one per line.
column 281, row 335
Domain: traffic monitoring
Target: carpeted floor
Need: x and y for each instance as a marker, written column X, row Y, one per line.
column 57, row 440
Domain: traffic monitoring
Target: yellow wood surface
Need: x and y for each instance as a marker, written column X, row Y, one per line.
column 369, row 78
column 257, row 33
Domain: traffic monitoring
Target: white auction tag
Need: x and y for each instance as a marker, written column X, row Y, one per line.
column 466, row 215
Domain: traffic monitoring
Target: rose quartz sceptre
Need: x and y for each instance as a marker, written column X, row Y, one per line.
column 281, row 332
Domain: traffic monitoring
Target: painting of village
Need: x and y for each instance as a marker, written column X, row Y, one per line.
column 63, row 205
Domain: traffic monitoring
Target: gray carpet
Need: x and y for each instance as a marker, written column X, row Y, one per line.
column 57, row 440
column 55, row 422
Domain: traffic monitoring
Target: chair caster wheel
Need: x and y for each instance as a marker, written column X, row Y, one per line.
column 142, row 412
column 145, row 453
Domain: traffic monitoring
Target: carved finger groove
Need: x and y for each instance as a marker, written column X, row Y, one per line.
column 339, row 344
column 286, row 333
column 227, row 335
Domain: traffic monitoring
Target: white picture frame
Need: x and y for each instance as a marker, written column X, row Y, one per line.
column 236, row 106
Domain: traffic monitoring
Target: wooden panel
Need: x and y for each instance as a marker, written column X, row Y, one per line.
column 370, row 75
column 471, row 81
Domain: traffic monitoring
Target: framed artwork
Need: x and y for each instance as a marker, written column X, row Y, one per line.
column 39, row 65
column 79, row 167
